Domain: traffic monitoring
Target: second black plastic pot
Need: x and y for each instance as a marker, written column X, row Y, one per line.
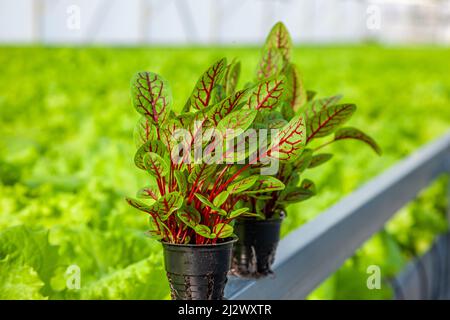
column 254, row 253
column 197, row 272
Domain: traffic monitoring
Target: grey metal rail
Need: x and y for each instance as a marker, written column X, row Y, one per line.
column 308, row 255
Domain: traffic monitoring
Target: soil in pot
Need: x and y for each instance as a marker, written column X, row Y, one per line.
column 197, row 272
column 254, row 253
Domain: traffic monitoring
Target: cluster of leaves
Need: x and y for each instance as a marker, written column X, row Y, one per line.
column 302, row 118
column 194, row 196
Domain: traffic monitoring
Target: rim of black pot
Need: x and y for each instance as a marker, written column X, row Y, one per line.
column 231, row 240
column 248, row 219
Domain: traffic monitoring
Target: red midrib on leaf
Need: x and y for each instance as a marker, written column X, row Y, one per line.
column 228, row 105
column 294, row 90
column 147, row 130
column 208, row 88
column 323, row 124
column 286, row 139
column 151, row 194
column 150, row 89
column 155, row 168
column 268, row 95
column 154, row 115
column 280, row 44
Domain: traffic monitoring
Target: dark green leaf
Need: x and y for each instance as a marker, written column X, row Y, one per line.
column 295, row 89
column 299, row 165
column 319, row 159
column 265, row 184
column 353, row 133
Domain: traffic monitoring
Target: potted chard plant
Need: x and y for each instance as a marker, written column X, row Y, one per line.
column 203, row 167
column 258, row 236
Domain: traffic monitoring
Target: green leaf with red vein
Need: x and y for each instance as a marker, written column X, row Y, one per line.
column 156, row 165
column 144, row 131
column 209, row 204
column 236, row 123
column 204, row 231
column 295, row 89
column 270, row 120
column 353, row 133
column 201, row 172
column 265, row 184
column 223, row 230
column 267, row 94
column 228, row 84
column 167, row 204
column 270, row 65
column 220, row 198
column 150, row 192
column 310, row 94
column 155, row 146
column 228, row 105
column 319, row 159
column 232, row 77
column 154, row 234
column 243, row 147
column 242, row 185
column 277, row 124
column 308, row 185
column 280, row 38
column 296, row 195
column 238, row 212
column 288, row 144
column 199, row 121
column 328, row 120
column 181, row 180
column 189, row 215
column 172, row 134
column 299, row 165
column 203, row 91
column 317, row 105
column 151, row 95
column 139, row 205
column 306, row 190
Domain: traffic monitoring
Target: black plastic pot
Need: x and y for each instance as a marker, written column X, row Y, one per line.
column 197, row 272
column 254, row 253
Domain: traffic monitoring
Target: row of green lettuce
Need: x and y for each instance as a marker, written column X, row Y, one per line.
column 66, row 162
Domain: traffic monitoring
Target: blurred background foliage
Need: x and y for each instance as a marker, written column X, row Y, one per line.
column 66, row 161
